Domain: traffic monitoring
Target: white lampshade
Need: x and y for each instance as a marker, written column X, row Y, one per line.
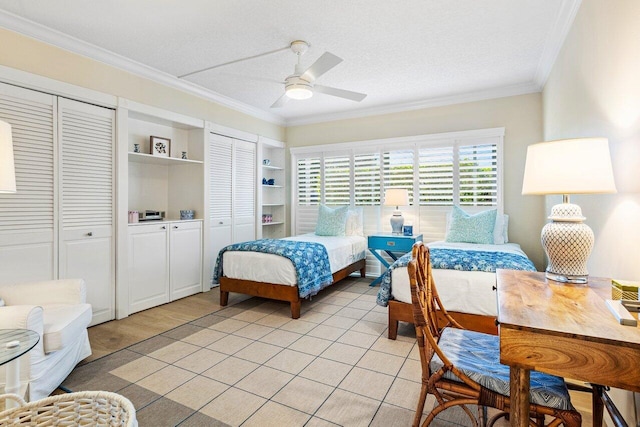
column 7, row 168
column 396, row 197
column 569, row 166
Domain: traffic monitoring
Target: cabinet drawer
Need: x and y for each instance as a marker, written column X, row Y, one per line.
column 186, row 225
column 391, row 243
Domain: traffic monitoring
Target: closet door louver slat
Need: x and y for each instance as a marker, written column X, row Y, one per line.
column 32, row 123
column 220, row 178
column 245, row 178
column 87, row 166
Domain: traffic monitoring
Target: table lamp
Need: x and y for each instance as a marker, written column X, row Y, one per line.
column 396, row 197
column 7, row 168
column 578, row 166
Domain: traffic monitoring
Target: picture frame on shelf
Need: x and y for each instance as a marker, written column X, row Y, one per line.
column 160, row 146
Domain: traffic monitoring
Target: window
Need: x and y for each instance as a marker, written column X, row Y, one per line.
column 438, row 171
column 398, row 170
column 337, row 176
column 309, row 181
column 478, row 175
column 436, row 175
column 366, row 170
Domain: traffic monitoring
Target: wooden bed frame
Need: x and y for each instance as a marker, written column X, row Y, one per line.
column 278, row 292
column 402, row 311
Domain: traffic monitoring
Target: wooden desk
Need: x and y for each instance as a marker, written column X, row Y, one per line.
column 565, row 330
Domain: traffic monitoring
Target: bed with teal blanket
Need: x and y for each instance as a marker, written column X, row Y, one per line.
column 464, row 275
column 290, row 269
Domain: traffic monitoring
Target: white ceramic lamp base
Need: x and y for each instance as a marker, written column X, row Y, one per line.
column 567, row 242
column 397, row 221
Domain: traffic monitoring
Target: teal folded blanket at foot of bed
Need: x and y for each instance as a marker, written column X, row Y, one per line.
column 458, row 259
column 311, row 261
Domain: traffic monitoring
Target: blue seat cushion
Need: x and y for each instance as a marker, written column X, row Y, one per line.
column 477, row 355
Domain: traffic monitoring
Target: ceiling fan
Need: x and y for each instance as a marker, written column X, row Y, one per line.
column 301, row 84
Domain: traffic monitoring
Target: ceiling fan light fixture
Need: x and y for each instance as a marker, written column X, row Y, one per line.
column 299, row 91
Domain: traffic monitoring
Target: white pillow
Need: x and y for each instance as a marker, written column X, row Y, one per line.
column 355, row 222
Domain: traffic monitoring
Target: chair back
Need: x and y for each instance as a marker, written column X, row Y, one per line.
column 427, row 307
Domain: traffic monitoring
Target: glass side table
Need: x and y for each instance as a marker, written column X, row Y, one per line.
column 13, row 344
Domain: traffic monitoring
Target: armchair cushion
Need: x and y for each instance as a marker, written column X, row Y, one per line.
column 63, row 324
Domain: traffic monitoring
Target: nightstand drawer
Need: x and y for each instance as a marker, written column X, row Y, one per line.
column 393, row 243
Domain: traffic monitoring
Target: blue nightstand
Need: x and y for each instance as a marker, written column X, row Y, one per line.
column 391, row 244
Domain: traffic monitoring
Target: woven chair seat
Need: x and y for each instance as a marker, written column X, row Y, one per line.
column 85, row 408
column 477, row 355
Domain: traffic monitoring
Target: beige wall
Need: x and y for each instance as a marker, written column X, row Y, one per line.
column 594, row 90
column 26, row 54
column 521, row 116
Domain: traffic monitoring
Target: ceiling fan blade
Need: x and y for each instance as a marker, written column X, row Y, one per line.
column 326, row 62
column 347, row 94
column 280, row 102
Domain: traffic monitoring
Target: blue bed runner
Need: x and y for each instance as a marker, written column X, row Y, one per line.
column 458, row 259
column 310, row 260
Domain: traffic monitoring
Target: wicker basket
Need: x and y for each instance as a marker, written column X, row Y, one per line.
column 85, row 408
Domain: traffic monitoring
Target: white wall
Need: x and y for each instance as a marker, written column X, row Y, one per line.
column 521, row 116
column 594, row 90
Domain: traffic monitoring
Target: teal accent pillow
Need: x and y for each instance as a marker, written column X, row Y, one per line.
column 467, row 228
column 332, row 222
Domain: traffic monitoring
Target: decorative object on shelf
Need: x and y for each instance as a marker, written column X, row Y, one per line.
column 187, row 214
column 266, row 162
column 184, row 155
column 267, row 218
column 581, row 166
column 133, row 217
column 136, row 148
column 407, row 230
column 160, row 146
column 7, row 167
column 396, row 197
column 271, row 181
column 264, row 181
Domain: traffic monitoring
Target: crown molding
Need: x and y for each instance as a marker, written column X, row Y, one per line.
column 499, row 92
column 555, row 40
column 58, row 39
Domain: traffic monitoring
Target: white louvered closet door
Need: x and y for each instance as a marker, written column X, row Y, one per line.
column 86, row 134
column 27, row 218
column 244, row 191
column 220, row 178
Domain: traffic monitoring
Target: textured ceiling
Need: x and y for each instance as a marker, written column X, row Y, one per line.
column 399, row 53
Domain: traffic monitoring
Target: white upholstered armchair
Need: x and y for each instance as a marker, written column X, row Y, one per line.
column 58, row 312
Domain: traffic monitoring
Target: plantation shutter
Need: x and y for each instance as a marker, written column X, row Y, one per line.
column 337, row 178
column 367, row 179
column 31, row 116
column 436, row 175
column 398, row 170
column 245, row 179
column 478, row 166
column 309, row 181
column 220, row 178
column 87, row 135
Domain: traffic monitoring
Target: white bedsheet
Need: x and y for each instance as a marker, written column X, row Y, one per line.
column 463, row 291
column 270, row 268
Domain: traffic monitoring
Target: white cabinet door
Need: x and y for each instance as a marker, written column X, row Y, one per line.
column 86, row 134
column 27, row 228
column 185, row 254
column 148, row 266
column 244, row 191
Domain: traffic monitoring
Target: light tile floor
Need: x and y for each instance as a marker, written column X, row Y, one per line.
column 252, row 365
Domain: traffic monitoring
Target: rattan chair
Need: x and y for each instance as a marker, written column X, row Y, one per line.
column 85, row 408
column 462, row 367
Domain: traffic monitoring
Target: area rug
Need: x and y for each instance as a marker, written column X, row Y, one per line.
column 252, row 365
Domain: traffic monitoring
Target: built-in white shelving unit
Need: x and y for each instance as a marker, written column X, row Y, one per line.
column 272, row 197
